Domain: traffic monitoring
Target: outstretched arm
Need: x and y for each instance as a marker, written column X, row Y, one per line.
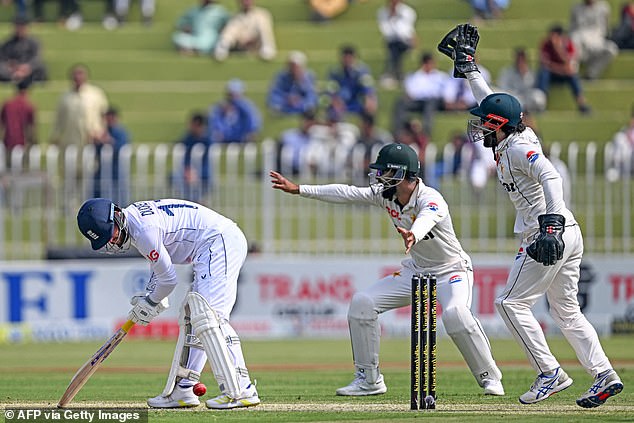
column 280, row 182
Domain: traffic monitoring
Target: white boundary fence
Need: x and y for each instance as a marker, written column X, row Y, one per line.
column 42, row 188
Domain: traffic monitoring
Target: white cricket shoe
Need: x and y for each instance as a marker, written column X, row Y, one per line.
column 606, row 385
column 493, row 387
column 360, row 387
column 545, row 386
column 249, row 398
column 179, row 398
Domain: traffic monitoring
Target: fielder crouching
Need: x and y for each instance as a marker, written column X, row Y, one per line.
column 421, row 216
column 169, row 232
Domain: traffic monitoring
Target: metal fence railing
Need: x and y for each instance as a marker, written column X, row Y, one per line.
column 42, row 188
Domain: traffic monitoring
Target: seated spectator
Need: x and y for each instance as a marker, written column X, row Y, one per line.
column 17, row 120
column 80, row 111
column 457, row 95
column 622, row 157
column 411, row 133
column 293, row 90
column 423, row 94
column 371, row 138
column 250, row 30
column 489, row 9
column 294, row 144
column 623, row 34
column 20, row 6
column 589, row 30
column 20, row 56
column 558, row 63
column 324, row 10
column 397, row 23
column 519, row 80
column 351, row 86
column 69, row 13
column 117, row 12
column 107, row 181
column 235, row 119
column 194, row 179
column 330, row 146
column 198, row 30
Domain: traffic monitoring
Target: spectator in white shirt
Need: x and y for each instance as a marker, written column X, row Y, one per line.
column 589, row 29
column 423, row 93
column 396, row 23
column 519, row 80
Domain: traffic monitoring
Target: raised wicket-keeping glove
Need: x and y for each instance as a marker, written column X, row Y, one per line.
column 460, row 44
column 549, row 245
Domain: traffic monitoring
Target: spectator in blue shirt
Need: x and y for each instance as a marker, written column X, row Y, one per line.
column 351, row 86
column 294, row 142
column 293, row 90
column 234, row 119
column 111, row 184
column 195, row 178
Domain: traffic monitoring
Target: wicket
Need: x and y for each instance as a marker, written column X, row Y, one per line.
column 423, row 342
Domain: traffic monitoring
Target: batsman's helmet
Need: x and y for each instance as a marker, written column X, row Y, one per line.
column 96, row 219
column 393, row 163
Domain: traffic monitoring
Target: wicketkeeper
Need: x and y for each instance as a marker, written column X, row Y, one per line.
column 551, row 247
column 168, row 232
column 421, row 216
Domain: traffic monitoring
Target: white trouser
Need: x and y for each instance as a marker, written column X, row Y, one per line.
column 454, row 289
column 528, row 281
column 216, row 270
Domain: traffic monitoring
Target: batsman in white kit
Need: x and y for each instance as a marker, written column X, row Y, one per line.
column 168, row 232
column 421, row 216
column 551, row 247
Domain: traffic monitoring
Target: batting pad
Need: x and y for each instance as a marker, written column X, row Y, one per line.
column 179, row 370
column 206, row 327
column 466, row 332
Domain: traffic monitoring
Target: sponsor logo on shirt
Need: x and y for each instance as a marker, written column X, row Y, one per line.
column 153, row 256
column 520, row 253
column 531, row 156
column 432, row 206
column 455, row 279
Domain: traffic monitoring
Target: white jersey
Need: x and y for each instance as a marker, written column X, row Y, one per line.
column 532, row 182
column 437, row 248
column 168, row 232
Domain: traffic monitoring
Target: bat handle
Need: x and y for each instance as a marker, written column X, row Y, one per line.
column 127, row 326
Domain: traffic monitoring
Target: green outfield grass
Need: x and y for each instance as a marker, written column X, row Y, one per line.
column 297, row 380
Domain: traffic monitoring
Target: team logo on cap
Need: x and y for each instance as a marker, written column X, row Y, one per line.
column 531, row 156
column 455, row 279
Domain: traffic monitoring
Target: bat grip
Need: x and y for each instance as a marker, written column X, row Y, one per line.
column 127, row 326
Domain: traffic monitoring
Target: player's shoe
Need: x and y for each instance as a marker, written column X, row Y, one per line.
column 545, row 386
column 606, row 385
column 493, row 387
column 179, row 398
column 249, row 398
column 360, row 387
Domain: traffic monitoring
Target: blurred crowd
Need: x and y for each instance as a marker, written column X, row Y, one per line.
column 335, row 111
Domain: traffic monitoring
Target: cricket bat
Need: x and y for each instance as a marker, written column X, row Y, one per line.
column 91, row 366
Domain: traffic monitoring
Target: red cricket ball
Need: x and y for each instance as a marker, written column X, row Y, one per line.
column 200, row 389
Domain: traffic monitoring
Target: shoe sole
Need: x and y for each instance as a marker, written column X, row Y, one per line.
column 361, row 393
column 560, row 388
column 241, row 405
column 600, row 399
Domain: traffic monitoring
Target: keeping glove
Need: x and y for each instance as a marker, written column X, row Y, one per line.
column 144, row 310
column 549, row 246
column 460, row 45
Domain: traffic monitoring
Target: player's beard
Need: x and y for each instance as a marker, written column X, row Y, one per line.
column 389, row 193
